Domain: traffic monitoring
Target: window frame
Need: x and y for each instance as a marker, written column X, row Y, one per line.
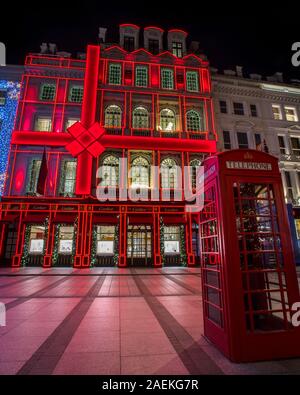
column 63, row 179
column 295, row 115
column 112, row 65
column 189, row 120
column 227, row 144
column 278, row 106
column 139, row 68
column 166, row 118
column 39, row 118
column 164, row 84
column 72, row 87
column 239, row 144
column 196, row 81
column 238, row 108
column 42, row 87
column 118, row 116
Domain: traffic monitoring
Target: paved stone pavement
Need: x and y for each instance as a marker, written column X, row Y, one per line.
column 111, row 321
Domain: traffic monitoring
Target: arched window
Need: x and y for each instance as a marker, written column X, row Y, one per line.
column 113, row 116
column 140, row 118
column 167, row 120
column 110, row 171
column 194, row 165
column 140, row 172
column 193, row 121
column 169, row 174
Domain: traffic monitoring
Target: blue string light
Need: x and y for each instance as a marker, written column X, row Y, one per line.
column 7, row 119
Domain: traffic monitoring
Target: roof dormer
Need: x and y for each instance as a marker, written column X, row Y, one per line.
column 129, row 37
column 153, row 39
column 177, row 42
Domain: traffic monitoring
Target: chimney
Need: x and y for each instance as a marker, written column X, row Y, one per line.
column 102, row 34
column 52, row 48
column 279, row 76
column 239, row 71
column 44, row 48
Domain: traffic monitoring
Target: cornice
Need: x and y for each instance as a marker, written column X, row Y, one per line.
column 258, row 93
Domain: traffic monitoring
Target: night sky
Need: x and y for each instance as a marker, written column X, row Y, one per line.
column 254, row 38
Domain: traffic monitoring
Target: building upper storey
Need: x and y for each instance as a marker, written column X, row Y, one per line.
column 161, row 89
column 252, row 111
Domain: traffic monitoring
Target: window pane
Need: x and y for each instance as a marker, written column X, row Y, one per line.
column 113, row 116
column 192, row 81
column 141, row 76
column 140, row 118
column 167, row 120
column 36, row 239
column 226, row 139
column 110, row 171
column 242, row 140
column 115, row 74
column 48, row 92
column 76, row 94
column 66, row 235
column 167, row 79
column 238, row 108
column 43, row 125
column 193, row 121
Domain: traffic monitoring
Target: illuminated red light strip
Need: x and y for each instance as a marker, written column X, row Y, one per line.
column 88, row 114
column 112, row 141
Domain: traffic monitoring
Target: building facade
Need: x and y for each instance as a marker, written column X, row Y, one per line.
column 263, row 114
column 97, row 159
column 10, row 78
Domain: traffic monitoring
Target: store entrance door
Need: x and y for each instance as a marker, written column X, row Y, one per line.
column 139, row 245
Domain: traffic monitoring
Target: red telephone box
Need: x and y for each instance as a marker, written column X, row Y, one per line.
column 249, row 278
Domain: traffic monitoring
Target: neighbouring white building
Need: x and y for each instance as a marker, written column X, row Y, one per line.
column 263, row 113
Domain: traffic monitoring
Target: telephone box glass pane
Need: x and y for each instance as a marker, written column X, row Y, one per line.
column 259, row 241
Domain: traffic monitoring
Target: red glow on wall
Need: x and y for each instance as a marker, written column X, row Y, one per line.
column 154, row 28
column 178, row 31
column 205, row 81
column 129, row 25
column 19, row 180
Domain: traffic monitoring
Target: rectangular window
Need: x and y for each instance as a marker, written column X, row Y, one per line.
column 129, row 43
column 172, row 240
column 68, row 178
column 253, row 110
column 2, row 97
column 177, row 49
column 192, row 81
column 43, row 124
column 276, row 112
column 295, row 142
column 71, row 122
column 115, row 74
column 65, row 237
column 223, row 106
column 257, row 138
column 282, row 146
column 105, row 240
column 291, row 114
column 76, row 94
column 167, row 78
column 238, row 108
column 153, row 46
column 242, row 140
column 226, row 139
column 141, row 76
column 34, row 171
column 289, row 186
column 47, row 92
column 36, row 239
